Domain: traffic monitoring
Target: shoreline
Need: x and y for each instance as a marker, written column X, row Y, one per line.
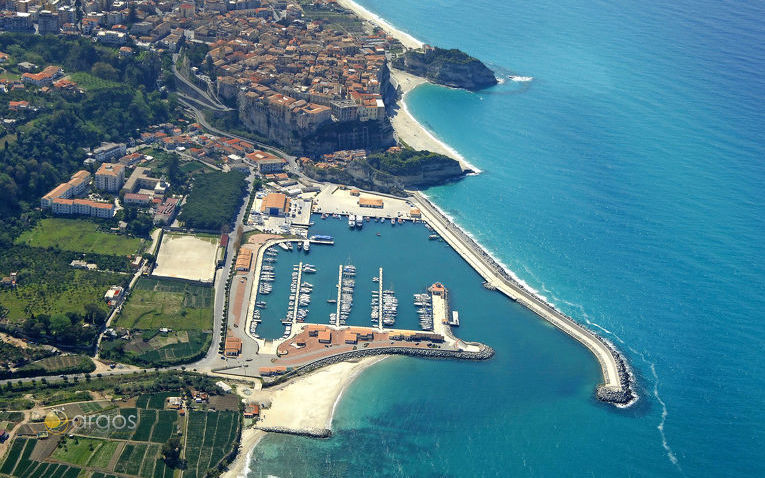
column 406, row 126
column 326, row 386
column 414, row 133
column 406, row 39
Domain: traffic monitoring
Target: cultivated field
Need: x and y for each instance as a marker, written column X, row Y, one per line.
column 184, row 256
column 210, row 436
column 156, row 303
column 78, row 235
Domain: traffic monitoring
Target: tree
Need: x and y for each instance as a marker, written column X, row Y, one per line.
column 105, row 71
column 171, row 451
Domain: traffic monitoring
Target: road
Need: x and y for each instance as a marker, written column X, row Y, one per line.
column 195, row 93
column 200, row 117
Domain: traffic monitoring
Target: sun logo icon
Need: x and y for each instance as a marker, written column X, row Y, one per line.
column 57, row 422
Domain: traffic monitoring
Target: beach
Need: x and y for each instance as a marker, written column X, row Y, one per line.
column 250, row 439
column 407, row 128
column 406, row 39
column 290, row 411
column 324, row 387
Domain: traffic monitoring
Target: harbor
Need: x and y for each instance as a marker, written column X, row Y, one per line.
column 364, row 258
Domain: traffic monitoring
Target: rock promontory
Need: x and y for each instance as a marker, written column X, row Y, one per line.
column 453, row 67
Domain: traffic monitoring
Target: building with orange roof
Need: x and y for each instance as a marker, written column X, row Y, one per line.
column 324, row 336
column 350, row 337
column 275, row 204
column 77, row 185
column 266, row 163
column 244, row 260
column 110, row 177
column 43, row 78
column 371, row 202
column 233, row 346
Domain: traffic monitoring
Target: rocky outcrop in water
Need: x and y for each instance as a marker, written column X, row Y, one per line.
column 378, row 175
column 447, row 67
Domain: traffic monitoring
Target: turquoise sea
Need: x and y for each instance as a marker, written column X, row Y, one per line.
column 625, row 183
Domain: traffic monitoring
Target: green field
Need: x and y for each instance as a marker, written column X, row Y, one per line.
column 77, row 451
column 78, row 235
column 178, row 305
column 87, row 81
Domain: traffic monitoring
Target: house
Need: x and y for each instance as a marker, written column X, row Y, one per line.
column 325, row 336
column 251, row 411
column 18, row 105
column 174, row 403
column 114, row 295
column 76, row 186
column 265, row 162
column 371, row 202
column 140, row 179
column 44, row 78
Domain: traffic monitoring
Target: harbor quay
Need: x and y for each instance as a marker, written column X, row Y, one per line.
column 304, row 343
column 617, row 376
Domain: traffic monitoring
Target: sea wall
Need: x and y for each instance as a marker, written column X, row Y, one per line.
column 618, row 380
column 484, row 353
column 304, row 432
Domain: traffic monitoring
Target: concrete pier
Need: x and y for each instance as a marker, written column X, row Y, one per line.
column 295, row 306
column 380, row 300
column 616, row 386
column 339, row 294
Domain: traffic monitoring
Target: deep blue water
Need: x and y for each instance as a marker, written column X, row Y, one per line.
column 625, row 183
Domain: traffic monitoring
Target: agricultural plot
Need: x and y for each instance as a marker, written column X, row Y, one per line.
column 102, row 456
column 177, row 305
column 77, row 451
column 146, row 420
column 210, row 436
column 155, row 401
column 18, row 464
column 131, row 459
column 78, row 235
column 183, row 256
column 162, row 349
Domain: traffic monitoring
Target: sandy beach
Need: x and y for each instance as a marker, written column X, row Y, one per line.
column 250, row 439
column 305, row 404
column 407, row 128
column 406, row 39
column 308, row 403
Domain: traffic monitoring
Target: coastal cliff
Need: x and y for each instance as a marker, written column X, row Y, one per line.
column 310, row 132
column 447, row 67
column 391, row 172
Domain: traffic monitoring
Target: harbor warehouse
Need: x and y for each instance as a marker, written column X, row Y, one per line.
column 275, row 204
column 371, row 202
